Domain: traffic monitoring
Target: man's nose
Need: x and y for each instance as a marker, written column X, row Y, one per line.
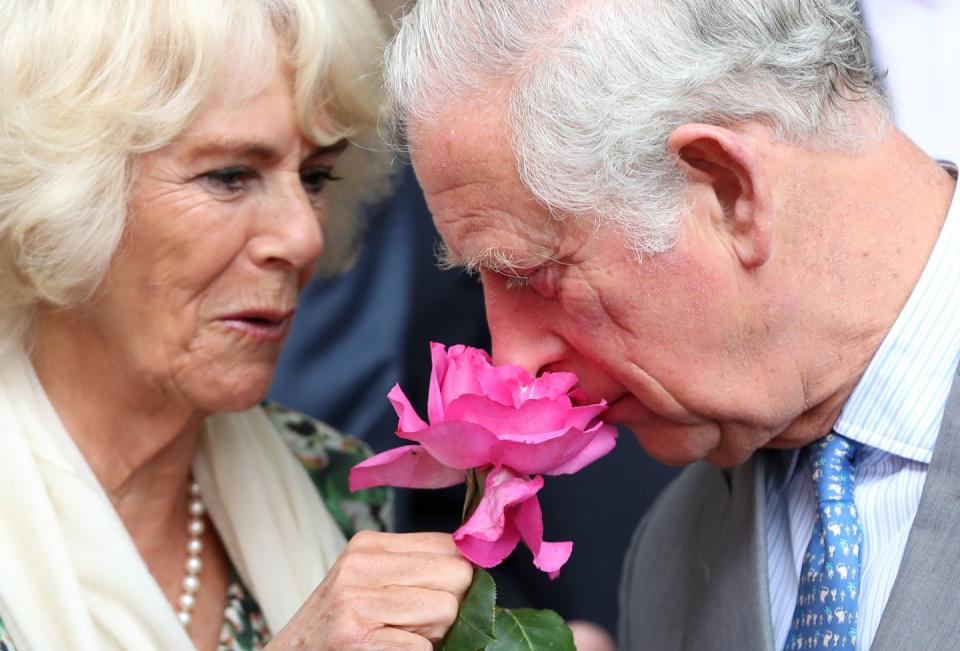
column 522, row 330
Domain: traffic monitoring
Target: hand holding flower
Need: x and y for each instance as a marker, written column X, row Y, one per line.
column 498, row 429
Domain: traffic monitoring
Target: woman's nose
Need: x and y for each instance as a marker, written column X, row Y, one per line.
column 292, row 231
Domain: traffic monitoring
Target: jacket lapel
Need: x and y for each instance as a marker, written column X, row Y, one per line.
column 732, row 611
column 923, row 611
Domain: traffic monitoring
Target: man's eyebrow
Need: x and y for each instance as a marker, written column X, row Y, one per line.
column 447, row 260
column 509, row 262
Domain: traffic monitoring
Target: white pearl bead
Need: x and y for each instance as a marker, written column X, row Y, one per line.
column 194, row 565
column 195, row 527
column 191, row 583
column 187, row 601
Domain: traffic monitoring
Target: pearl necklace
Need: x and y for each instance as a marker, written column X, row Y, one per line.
column 191, row 580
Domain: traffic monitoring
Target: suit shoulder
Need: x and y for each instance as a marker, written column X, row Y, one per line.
column 661, row 566
column 681, row 508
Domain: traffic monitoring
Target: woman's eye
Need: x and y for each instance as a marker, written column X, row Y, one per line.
column 314, row 178
column 231, row 179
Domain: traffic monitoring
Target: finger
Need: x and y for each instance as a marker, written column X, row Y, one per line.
column 431, row 542
column 407, row 607
column 429, row 613
column 587, row 636
column 395, row 639
column 423, row 570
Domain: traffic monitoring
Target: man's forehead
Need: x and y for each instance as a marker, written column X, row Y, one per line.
column 468, row 172
column 461, row 144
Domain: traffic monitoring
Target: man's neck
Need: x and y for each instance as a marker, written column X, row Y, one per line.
column 884, row 210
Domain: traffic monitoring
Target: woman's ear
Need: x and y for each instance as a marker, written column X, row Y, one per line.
column 729, row 168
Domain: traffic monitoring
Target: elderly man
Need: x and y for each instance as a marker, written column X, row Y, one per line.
column 701, row 207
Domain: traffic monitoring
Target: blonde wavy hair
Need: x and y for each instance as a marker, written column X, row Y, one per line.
column 88, row 86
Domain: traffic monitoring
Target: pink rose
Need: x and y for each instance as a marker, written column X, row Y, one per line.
column 508, row 426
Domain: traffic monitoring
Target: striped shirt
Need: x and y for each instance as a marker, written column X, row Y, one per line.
column 895, row 411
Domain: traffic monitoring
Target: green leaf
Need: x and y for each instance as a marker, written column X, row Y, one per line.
column 473, row 629
column 526, row 629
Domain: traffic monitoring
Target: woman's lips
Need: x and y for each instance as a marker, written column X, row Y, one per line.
column 262, row 325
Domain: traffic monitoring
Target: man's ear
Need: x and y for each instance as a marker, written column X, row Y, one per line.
column 726, row 163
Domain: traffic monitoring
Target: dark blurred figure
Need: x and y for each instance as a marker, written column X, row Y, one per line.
column 373, row 325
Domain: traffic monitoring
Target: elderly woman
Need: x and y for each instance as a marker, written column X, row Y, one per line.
column 165, row 172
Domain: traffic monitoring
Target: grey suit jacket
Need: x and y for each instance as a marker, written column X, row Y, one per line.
column 695, row 576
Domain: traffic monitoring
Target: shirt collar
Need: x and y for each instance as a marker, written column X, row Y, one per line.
column 898, row 404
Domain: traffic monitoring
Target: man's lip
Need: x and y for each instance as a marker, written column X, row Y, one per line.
column 611, row 402
column 624, row 407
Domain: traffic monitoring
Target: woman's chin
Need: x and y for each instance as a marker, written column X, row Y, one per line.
column 239, row 390
column 240, row 402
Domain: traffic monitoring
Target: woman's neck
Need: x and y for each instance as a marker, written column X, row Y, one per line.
column 138, row 443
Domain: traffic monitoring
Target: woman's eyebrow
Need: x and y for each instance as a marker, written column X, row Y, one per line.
column 326, row 150
column 256, row 149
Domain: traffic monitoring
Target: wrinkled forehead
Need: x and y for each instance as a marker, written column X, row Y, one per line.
column 468, row 172
column 461, row 143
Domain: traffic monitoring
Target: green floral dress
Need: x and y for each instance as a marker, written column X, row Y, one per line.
column 328, row 456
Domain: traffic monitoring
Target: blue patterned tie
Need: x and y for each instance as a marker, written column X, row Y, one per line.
column 826, row 612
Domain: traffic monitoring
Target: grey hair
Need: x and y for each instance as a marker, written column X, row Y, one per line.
column 595, row 87
column 91, row 85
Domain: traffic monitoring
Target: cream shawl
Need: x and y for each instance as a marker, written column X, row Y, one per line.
column 70, row 575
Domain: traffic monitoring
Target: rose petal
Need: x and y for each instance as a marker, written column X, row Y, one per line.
column 461, row 377
column 486, row 553
column 409, row 466
column 547, row 556
column 512, row 385
column 467, row 445
column 505, row 384
column 410, row 421
column 551, row 385
column 459, row 445
column 604, row 439
column 572, row 449
column 510, row 509
column 438, row 356
column 495, row 388
column 502, row 490
column 489, row 535
column 534, row 421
